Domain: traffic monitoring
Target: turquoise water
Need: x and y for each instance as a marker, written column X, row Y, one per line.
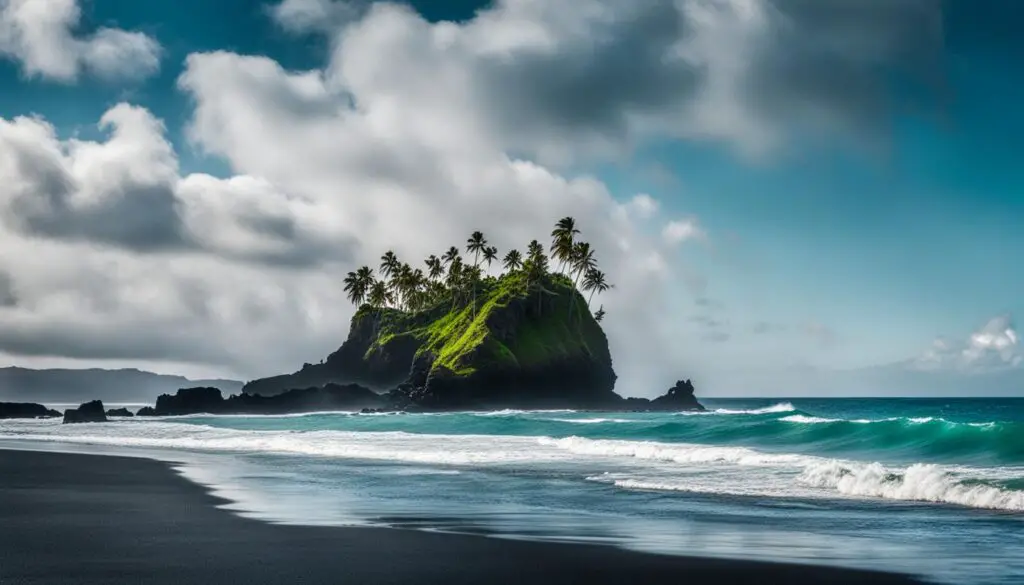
column 930, row 487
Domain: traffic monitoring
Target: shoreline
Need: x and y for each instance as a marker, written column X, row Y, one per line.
column 104, row 518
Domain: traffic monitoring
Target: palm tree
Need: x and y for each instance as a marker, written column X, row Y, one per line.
column 476, row 244
column 417, row 287
column 537, row 260
column 563, row 237
column 434, row 267
column 599, row 315
column 454, row 278
column 513, row 261
column 400, row 284
column 582, row 260
column 536, row 266
column 352, row 289
column 389, row 264
column 450, row 256
column 358, row 283
column 490, row 255
column 380, row 295
column 595, row 282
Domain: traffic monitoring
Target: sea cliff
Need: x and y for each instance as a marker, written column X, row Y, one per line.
column 522, row 344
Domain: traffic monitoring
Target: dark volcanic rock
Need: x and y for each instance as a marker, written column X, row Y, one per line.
column 88, row 412
column 190, row 401
column 146, row 411
column 209, row 401
column 25, row 410
column 331, row 397
column 678, row 398
column 123, row 412
column 353, row 363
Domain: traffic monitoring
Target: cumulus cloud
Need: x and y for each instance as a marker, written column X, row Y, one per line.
column 559, row 80
column 126, row 192
column 995, row 345
column 40, row 36
column 314, row 15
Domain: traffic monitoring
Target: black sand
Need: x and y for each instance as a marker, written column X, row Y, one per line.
column 81, row 519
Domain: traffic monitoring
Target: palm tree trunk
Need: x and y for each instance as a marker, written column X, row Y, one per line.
column 572, row 298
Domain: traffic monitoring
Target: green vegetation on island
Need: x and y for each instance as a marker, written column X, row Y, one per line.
column 464, row 317
column 449, row 279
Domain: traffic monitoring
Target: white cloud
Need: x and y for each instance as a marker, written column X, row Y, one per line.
column 682, row 230
column 642, row 206
column 108, row 253
column 995, row 345
column 39, row 35
column 561, row 80
column 318, row 15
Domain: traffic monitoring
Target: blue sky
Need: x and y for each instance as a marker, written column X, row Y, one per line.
column 854, row 244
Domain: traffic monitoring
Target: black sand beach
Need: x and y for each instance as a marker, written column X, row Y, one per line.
column 82, row 519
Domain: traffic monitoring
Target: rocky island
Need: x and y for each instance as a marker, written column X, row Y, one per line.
column 451, row 337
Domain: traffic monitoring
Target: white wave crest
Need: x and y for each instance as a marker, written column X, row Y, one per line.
column 591, row 421
column 800, row 418
column 673, row 452
column 920, row 482
column 383, row 446
column 516, row 412
column 780, row 407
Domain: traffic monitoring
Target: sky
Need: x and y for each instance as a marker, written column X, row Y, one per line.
column 777, row 188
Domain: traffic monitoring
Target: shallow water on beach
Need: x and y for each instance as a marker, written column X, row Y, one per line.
column 929, row 487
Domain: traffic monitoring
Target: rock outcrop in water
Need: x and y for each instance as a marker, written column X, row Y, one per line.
column 524, row 346
column 86, row 413
column 120, row 412
column 523, row 349
column 210, row 401
column 25, row 410
column 678, row 398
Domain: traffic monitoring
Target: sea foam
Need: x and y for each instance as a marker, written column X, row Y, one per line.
column 919, row 482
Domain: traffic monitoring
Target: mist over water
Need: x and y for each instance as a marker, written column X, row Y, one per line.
column 879, row 483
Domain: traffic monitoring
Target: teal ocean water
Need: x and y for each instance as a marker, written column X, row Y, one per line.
column 930, row 487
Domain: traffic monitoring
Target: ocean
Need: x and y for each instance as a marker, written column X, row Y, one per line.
column 932, row 487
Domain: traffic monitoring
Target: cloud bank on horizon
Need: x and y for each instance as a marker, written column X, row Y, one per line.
column 408, row 135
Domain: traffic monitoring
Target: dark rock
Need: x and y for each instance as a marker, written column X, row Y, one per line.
column 190, row 401
column 678, row 398
column 86, row 413
column 352, row 363
column 186, row 401
column 347, row 397
column 25, row 410
column 123, row 412
column 146, row 411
